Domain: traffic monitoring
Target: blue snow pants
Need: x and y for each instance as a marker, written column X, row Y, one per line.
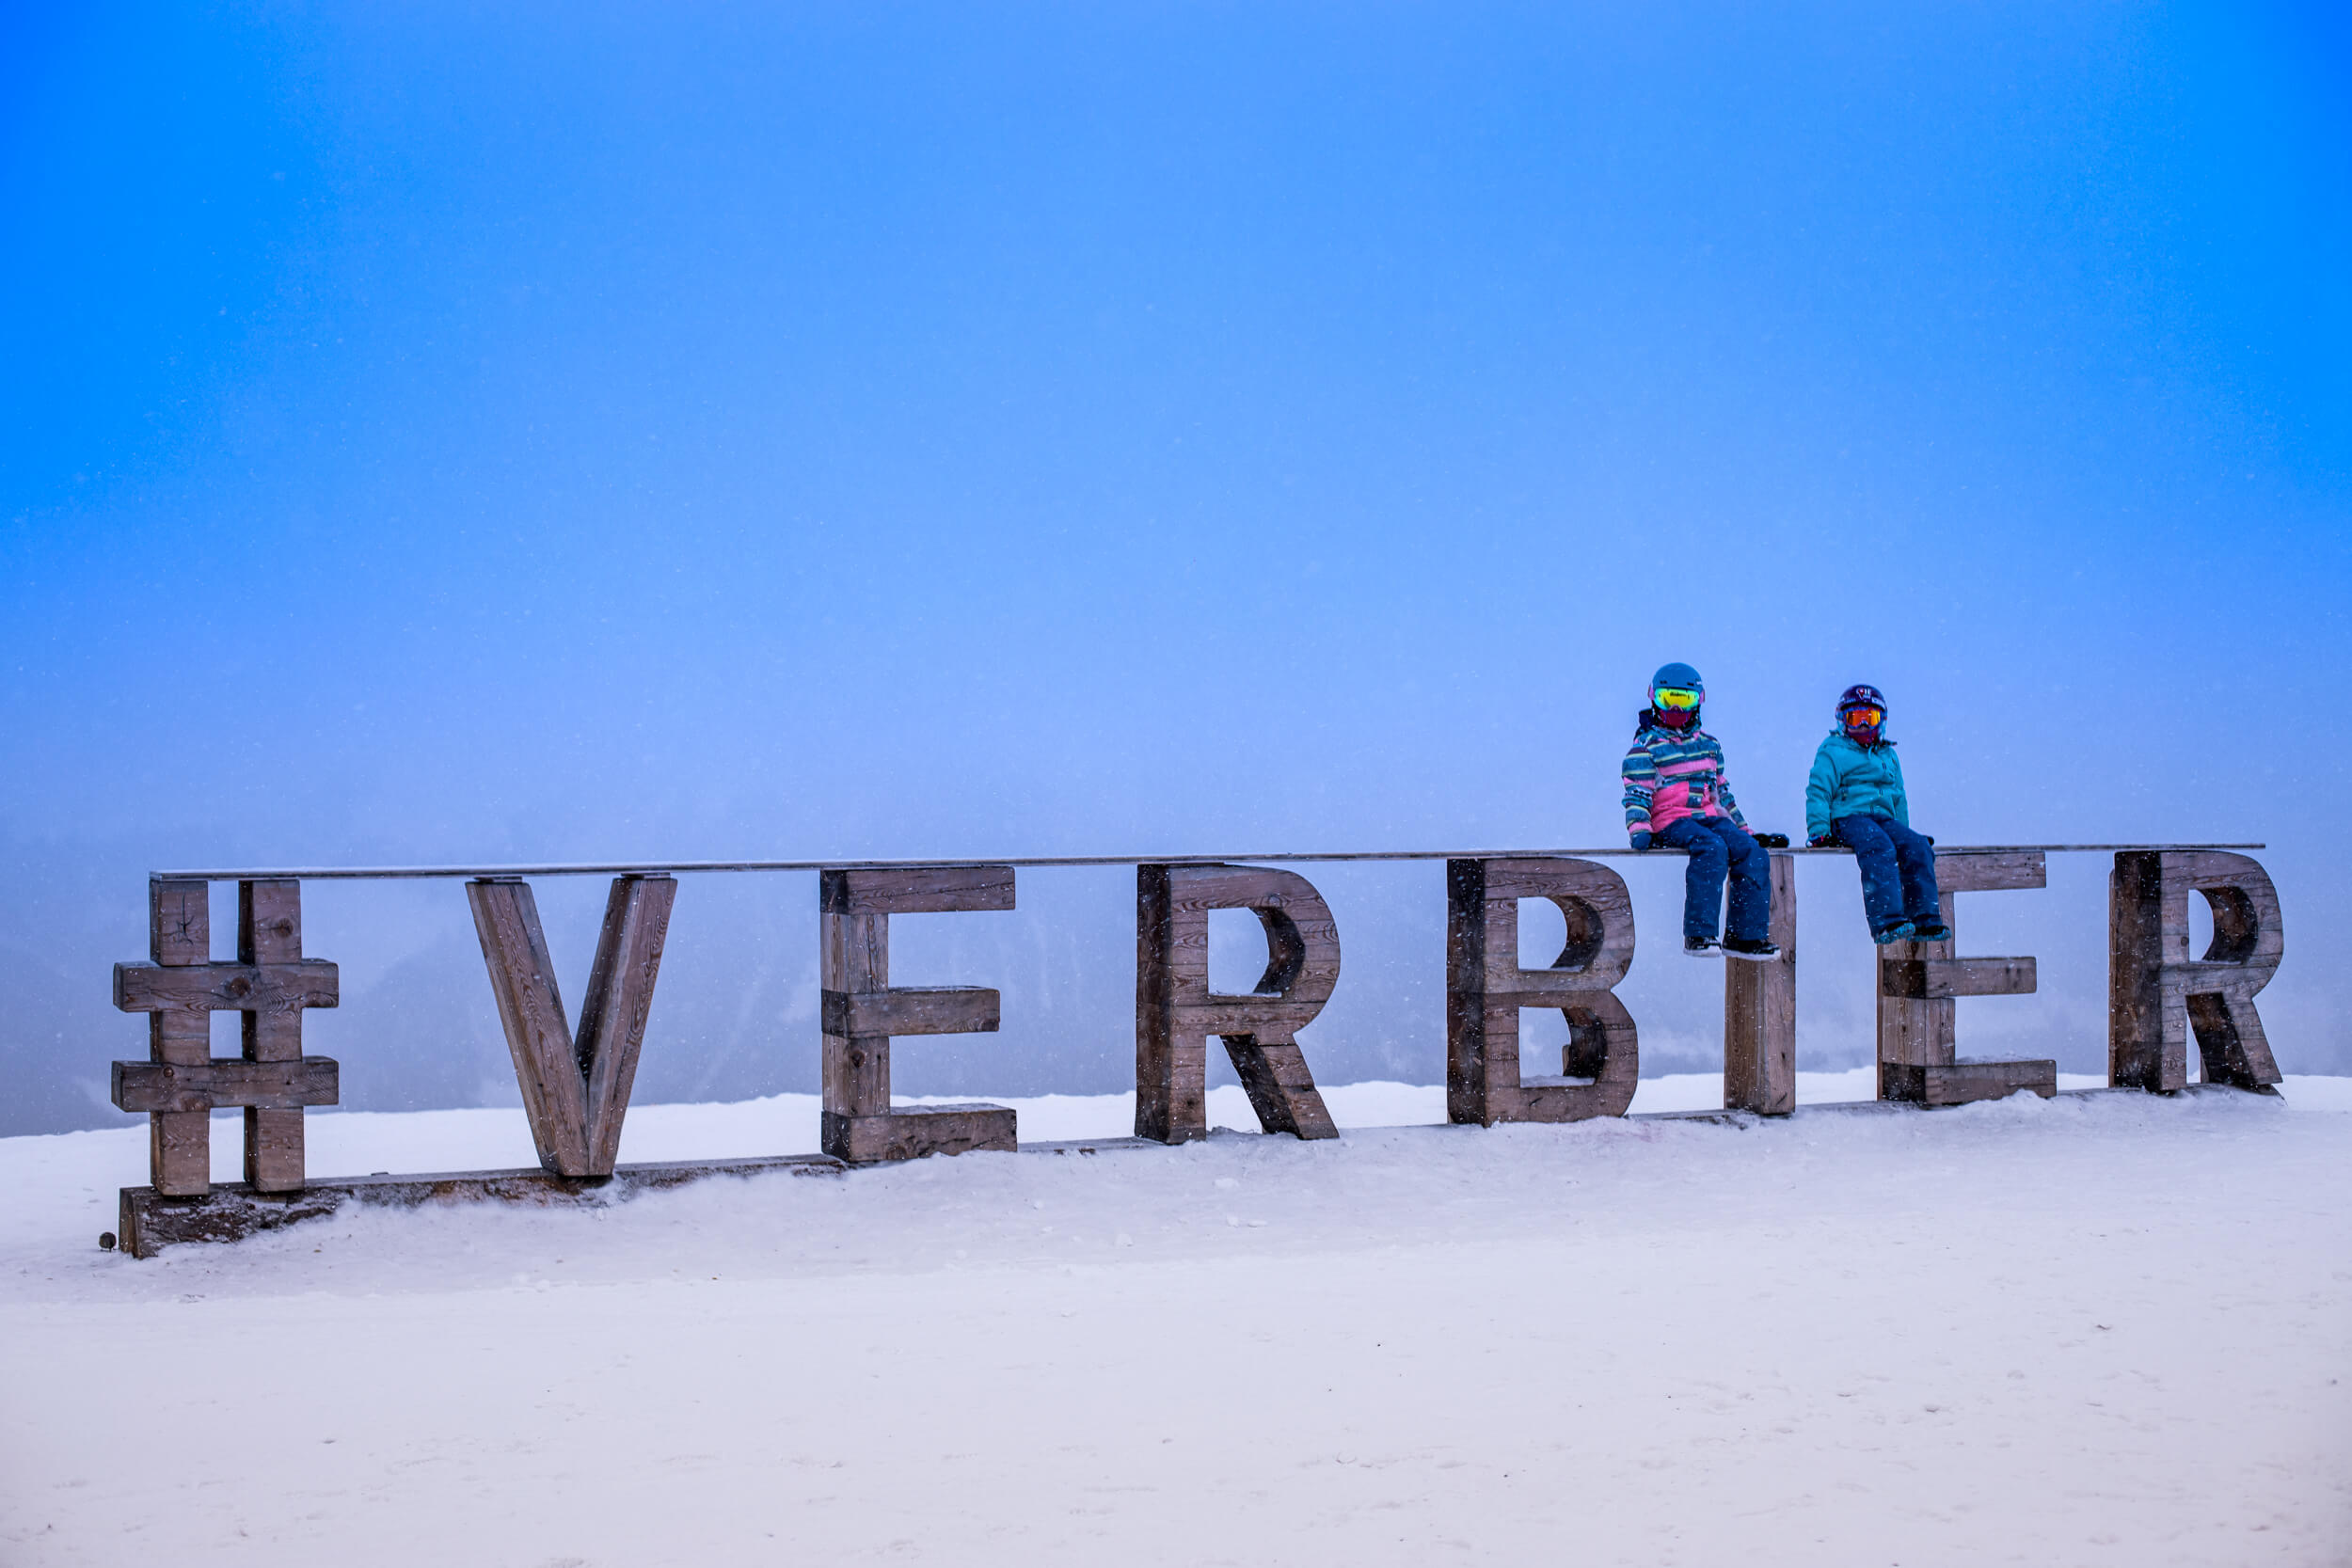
column 1715, row 845
column 1897, row 869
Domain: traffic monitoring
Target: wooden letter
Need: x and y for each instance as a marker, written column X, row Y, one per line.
column 1176, row 1012
column 1760, row 1013
column 181, row 1083
column 1486, row 988
column 574, row 1090
column 862, row 1010
column 2157, row 993
column 1918, row 980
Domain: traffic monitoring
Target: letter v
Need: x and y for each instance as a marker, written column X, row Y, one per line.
column 575, row 1092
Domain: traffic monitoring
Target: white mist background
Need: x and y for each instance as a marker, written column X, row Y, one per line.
column 442, row 438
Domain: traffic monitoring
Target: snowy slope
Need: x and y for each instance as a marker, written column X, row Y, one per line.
column 2103, row 1329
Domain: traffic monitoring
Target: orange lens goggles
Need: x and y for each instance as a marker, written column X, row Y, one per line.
column 1675, row 697
column 1864, row 718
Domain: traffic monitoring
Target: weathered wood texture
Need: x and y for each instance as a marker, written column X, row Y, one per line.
column 1918, row 984
column 917, row 890
column 222, row 1082
column 912, row 1132
column 575, row 1087
column 269, row 938
column 1957, row 1083
column 862, row 1010
column 180, row 936
column 182, row 1082
column 1176, row 1011
column 1485, row 988
column 2157, row 995
column 913, row 1010
column 1932, row 979
column 268, row 989
column 150, row 1221
column 1760, row 1012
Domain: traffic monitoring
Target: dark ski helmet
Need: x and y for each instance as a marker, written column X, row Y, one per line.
column 1862, row 712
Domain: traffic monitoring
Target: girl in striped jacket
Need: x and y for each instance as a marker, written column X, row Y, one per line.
column 1676, row 797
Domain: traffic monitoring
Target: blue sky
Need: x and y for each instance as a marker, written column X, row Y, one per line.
column 471, row 433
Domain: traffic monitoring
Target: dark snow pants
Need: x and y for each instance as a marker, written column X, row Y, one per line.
column 1715, row 845
column 1897, row 870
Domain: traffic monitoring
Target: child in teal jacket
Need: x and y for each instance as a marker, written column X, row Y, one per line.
column 1856, row 798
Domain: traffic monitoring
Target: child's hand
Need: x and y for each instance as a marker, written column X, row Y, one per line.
column 1821, row 841
column 1640, row 841
column 1770, row 841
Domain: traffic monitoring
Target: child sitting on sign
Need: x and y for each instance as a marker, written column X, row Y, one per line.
column 1856, row 798
column 1676, row 797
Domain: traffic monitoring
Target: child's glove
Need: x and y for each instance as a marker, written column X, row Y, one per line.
column 1640, row 841
column 1821, row 841
column 1770, row 841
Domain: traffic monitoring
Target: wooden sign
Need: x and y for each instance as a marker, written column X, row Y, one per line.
column 575, row 1080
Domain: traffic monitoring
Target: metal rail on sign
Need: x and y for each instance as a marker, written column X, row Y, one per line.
column 672, row 868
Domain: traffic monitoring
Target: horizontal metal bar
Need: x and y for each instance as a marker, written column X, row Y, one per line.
column 623, row 868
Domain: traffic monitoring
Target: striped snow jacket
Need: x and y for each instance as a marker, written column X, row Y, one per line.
column 1671, row 774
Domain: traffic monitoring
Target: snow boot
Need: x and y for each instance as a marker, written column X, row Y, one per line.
column 1756, row 949
column 1699, row 947
column 1931, row 929
column 1902, row 930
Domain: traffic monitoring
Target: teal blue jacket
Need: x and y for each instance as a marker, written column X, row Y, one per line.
column 1851, row 780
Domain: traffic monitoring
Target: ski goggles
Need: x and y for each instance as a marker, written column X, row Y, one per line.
column 1676, row 697
column 1862, row 717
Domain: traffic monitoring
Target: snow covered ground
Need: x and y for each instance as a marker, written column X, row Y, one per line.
column 2106, row 1329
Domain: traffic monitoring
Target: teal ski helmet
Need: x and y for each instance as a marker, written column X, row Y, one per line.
column 1674, row 695
column 1676, row 678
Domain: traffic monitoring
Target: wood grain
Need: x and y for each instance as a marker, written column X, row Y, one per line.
column 1176, row 1011
column 915, row 889
column 1958, row 1083
column 269, row 935
column 1924, row 979
column 1760, row 1012
column 1991, row 870
column 913, row 1010
column 181, row 1083
column 575, row 1092
column 180, row 936
column 860, row 1010
column 1487, row 987
column 2158, row 996
column 275, row 988
column 223, row 1083
column 1919, row 983
column 915, row 1132
column 613, row 1014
